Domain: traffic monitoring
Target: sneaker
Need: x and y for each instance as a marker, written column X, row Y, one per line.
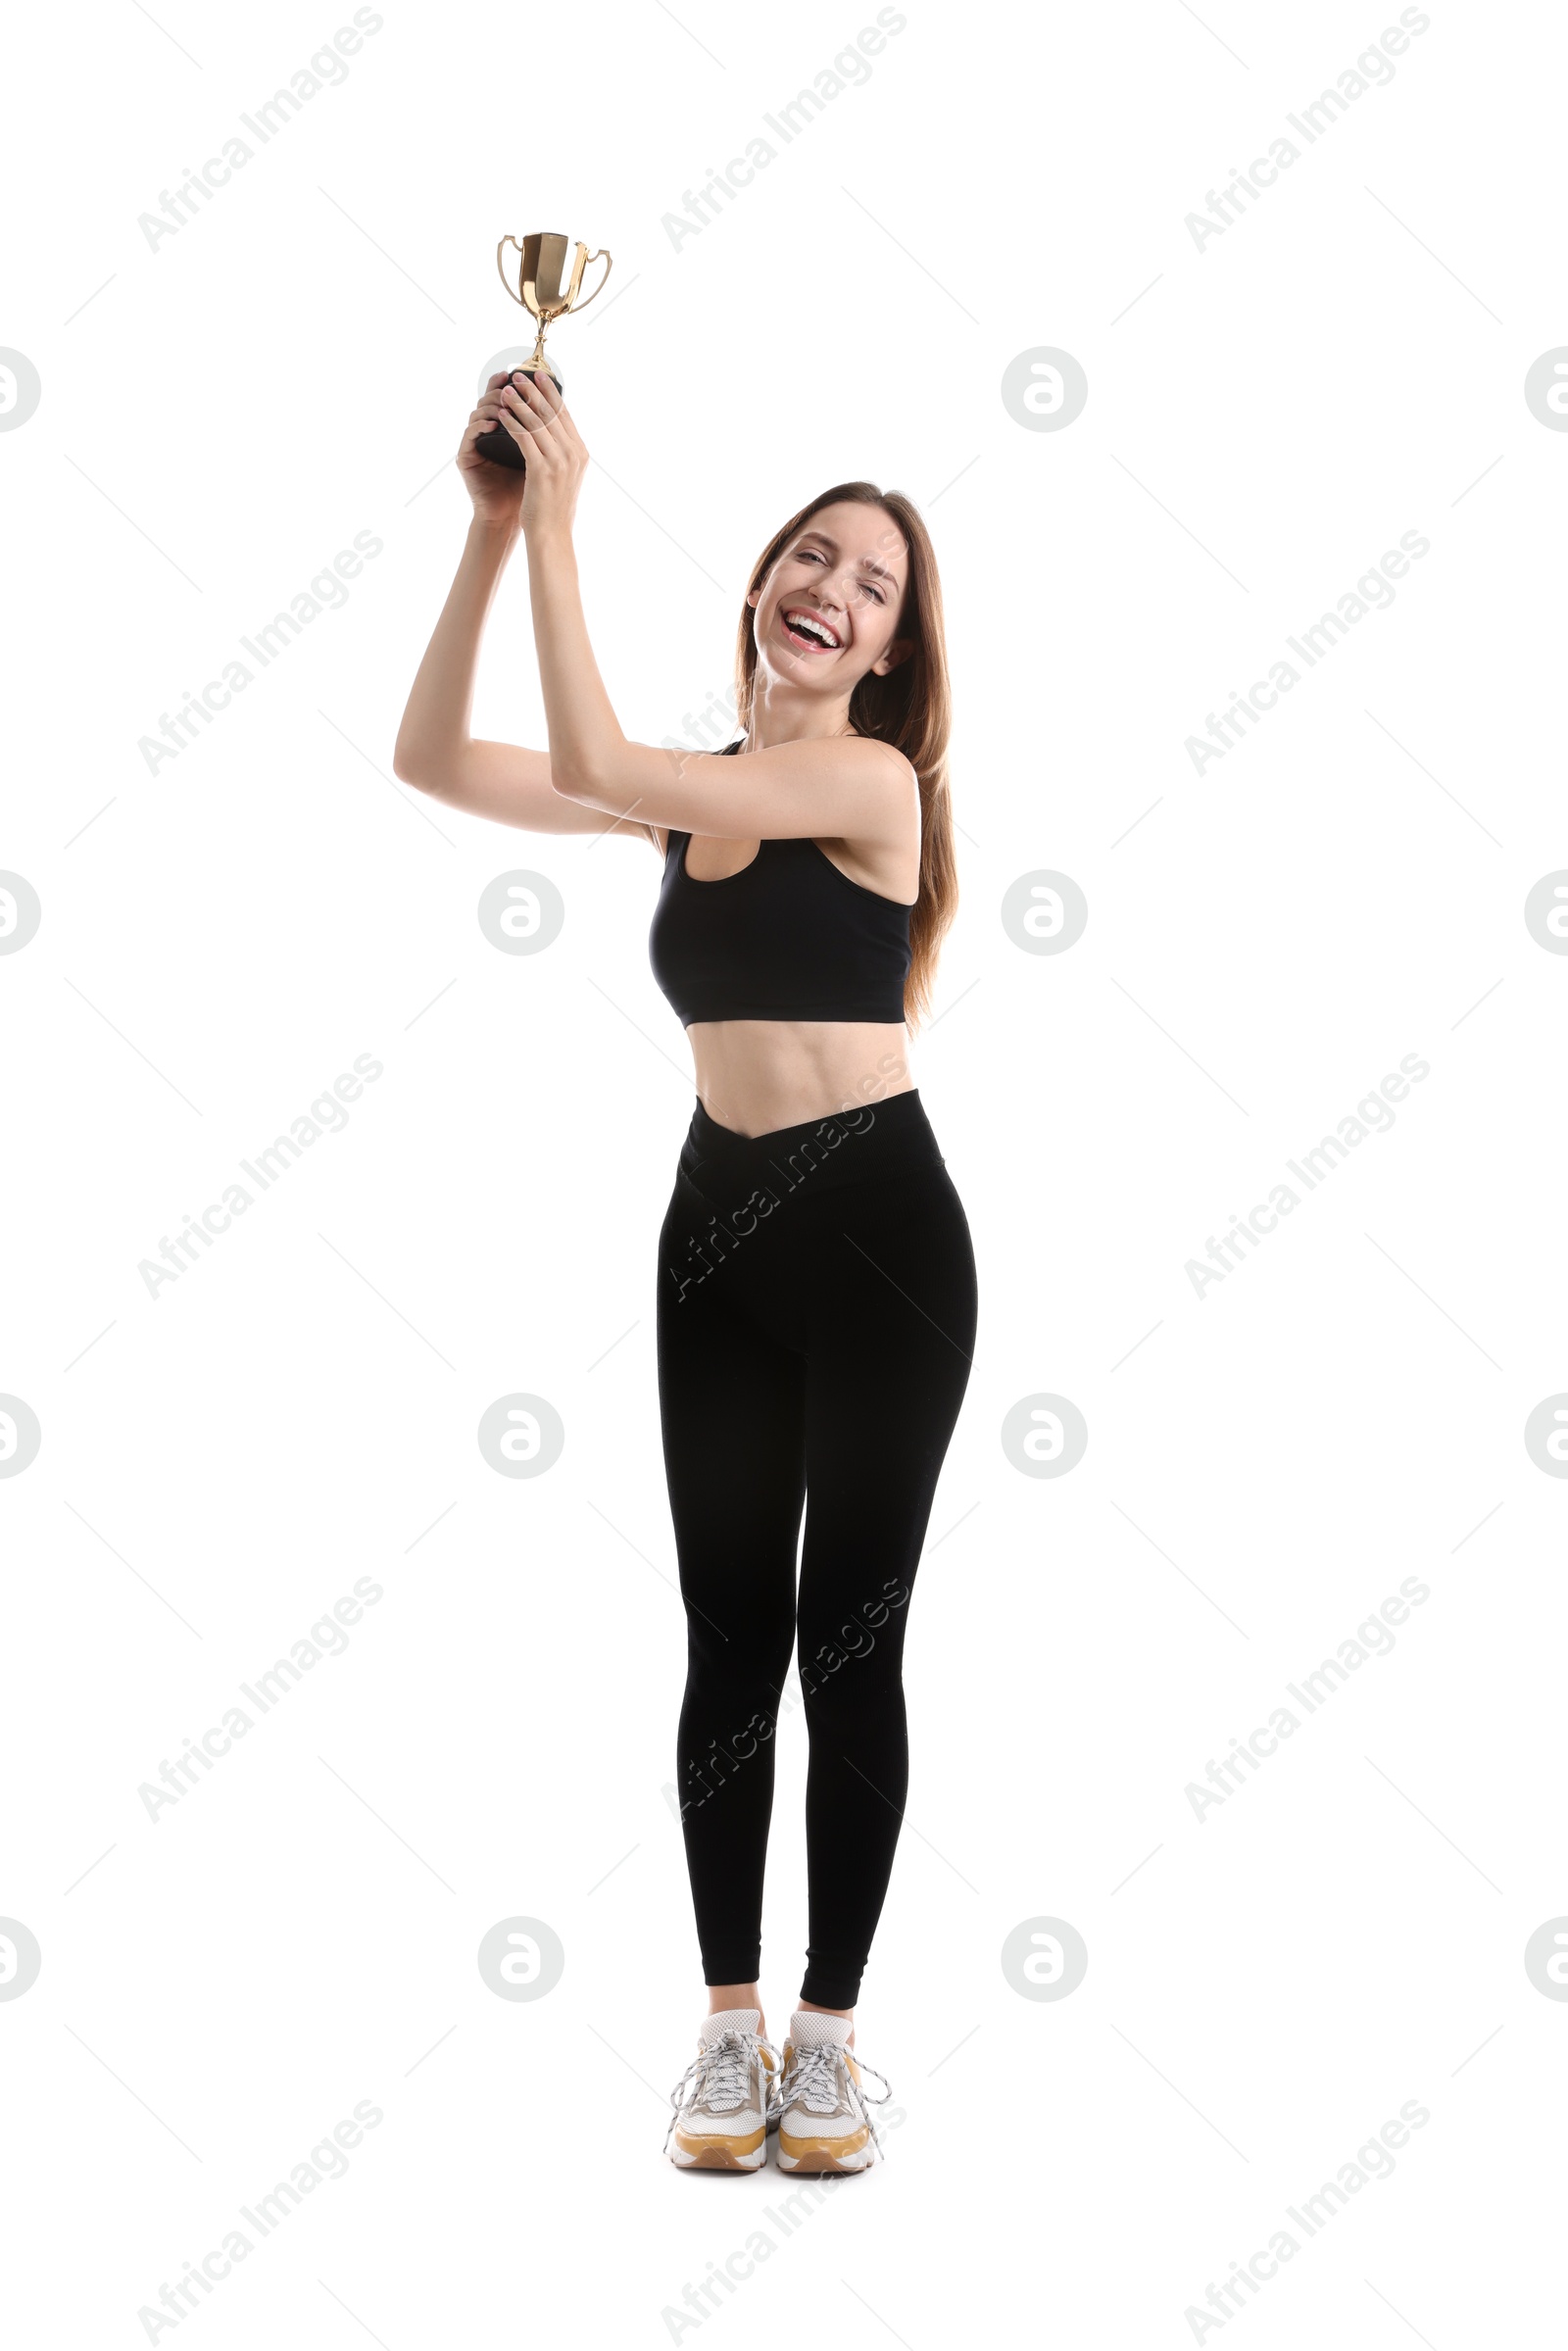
column 821, row 2106
column 722, row 2101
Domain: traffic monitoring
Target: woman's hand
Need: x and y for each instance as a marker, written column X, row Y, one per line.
column 533, row 411
column 496, row 490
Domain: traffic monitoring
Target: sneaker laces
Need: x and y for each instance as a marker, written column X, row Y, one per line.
column 812, row 2083
column 720, row 2074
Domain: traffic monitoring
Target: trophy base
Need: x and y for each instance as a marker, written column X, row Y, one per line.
column 498, row 445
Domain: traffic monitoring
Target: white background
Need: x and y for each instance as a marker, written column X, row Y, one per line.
column 219, row 415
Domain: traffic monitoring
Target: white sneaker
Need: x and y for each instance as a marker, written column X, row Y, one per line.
column 823, row 2123
column 722, row 2101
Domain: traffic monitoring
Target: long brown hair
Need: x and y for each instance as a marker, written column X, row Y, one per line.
column 911, row 707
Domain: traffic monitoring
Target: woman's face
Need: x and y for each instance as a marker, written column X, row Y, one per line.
column 827, row 613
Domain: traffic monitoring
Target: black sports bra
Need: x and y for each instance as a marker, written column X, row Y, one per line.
column 789, row 937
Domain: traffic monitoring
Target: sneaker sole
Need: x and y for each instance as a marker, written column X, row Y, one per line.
column 820, row 2156
column 727, row 2154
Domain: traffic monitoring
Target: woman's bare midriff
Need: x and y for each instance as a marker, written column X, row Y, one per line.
column 755, row 1076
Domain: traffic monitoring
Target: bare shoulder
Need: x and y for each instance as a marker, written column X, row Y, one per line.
column 866, row 754
column 884, row 760
column 884, row 857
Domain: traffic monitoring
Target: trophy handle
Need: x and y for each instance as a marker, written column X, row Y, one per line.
column 600, row 287
column 500, row 249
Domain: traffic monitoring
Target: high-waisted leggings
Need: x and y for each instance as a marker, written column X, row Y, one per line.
column 816, row 1320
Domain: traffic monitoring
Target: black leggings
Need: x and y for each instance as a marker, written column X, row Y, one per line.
column 816, row 1320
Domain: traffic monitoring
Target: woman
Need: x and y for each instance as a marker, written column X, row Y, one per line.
column 816, row 1303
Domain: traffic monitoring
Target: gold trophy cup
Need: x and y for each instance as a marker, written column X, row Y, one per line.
column 540, row 291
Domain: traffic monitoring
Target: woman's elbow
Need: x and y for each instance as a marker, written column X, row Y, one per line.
column 411, row 766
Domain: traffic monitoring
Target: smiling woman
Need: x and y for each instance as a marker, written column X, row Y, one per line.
column 817, row 1302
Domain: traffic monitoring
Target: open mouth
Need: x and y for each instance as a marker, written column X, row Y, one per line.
column 805, row 630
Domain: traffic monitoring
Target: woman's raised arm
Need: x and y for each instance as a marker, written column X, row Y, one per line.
column 435, row 750
column 854, row 789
